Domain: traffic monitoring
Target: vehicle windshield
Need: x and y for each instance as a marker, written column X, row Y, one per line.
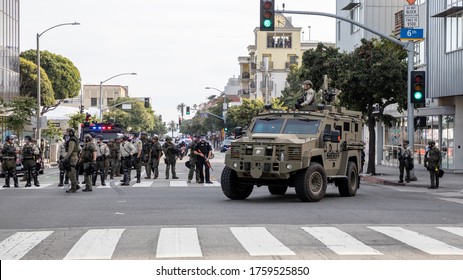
column 301, row 126
column 268, row 125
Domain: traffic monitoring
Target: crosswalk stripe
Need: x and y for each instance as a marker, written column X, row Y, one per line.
column 340, row 242
column 95, row 244
column 259, row 242
column 144, row 184
column 18, row 244
column 178, row 184
column 419, row 241
column 454, row 230
column 178, row 243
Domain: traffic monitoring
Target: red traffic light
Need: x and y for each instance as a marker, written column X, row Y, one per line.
column 418, row 78
column 268, row 5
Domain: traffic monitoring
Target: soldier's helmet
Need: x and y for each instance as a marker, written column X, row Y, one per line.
column 155, row 137
column 143, row 133
column 136, row 134
column 99, row 137
column 119, row 136
column 431, row 143
column 308, row 82
column 168, row 138
column 111, row 141
column 125, row 137
column 28, row 138
column 71, row 131
column 9, row 138
column 93, row 134
column 88, row 137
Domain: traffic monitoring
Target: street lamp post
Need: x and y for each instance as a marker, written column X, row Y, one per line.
column 101, row 93
column 225, row 105
column 39, row 136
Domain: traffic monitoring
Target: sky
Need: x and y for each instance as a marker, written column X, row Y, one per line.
column 177, row 48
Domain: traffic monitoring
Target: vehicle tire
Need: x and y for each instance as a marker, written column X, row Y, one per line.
column 311, row 183
column 277, row 190
column 348, row 187
column 232, row 188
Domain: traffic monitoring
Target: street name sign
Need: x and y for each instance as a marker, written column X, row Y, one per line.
column 411, row 34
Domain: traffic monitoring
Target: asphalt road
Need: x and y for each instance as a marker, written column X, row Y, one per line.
column 141, row 216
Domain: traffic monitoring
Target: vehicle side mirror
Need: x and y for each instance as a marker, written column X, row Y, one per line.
column 332, row 136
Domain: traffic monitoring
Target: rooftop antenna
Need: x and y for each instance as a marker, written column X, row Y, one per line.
column 283, row 6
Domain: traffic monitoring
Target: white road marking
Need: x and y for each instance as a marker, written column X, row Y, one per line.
column 178, row 184
column 454, row 230
column 178, row 243
column 259, row 242
column 143, row 184
column 18, row 244
column 95, row 244
column 419, row 241
column 340, row 242
column 457, row 200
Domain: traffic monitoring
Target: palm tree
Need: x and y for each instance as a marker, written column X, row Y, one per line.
column 172, row 127
column 180, row 108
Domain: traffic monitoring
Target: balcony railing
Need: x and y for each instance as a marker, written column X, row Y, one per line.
column 269, row 85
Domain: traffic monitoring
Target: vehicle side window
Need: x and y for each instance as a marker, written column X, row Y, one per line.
column 339, row 127
column 346, row 126
column 327, row 128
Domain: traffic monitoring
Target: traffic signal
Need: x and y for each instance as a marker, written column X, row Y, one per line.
column 267, row 15
column 417, row 87
column 147, row 102
column 82, row 109
column 187, row 110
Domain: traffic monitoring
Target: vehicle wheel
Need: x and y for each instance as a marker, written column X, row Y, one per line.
column 277, row 190
column 311, row 183
column 348, row 187
column 231, row 187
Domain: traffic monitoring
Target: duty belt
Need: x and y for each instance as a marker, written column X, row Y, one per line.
column 7, row 158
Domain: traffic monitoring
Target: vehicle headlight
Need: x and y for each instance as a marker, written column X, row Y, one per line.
column 235, row 165
column 289, row 166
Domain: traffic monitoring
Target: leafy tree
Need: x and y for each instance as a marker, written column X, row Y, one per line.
column 52, row 131
column 242, row 114
column 28, row 86
column 371, row 78
column 75, row 120
column 138, row 118
column 22, row 109
column 64, row 76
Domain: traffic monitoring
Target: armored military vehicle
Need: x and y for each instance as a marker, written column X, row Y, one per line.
column 304, row 149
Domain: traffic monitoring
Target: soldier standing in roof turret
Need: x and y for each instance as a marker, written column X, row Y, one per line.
column 9, row 156
column 102, row 152
column 29, row 153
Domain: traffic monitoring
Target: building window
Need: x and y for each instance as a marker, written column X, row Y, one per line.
column 454, row 3
column 454, row 32
column 279, row 40
column 355, row 16
column 93, row 101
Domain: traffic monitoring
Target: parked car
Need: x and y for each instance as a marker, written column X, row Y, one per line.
column 225, row 146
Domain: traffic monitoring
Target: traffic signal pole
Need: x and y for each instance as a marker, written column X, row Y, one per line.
column 407, row 46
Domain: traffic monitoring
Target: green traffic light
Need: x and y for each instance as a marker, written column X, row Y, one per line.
column 418, row 95
column 267, row 23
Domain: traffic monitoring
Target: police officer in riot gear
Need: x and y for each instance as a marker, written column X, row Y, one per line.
column 137, row 158
column 127, row 151
column 62, row 172
column 9, row 156
column 203, row 152
column 114, row 158
column 171, row 153
column 88, row 158
column 193, row 160
column 29, row 154
column 71, row 158
column 433, row 162
column 154, row 156
column 145, row 154
column 102, row 152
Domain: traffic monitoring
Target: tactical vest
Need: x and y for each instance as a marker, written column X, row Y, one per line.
column 433, row 155
column 113, row 150
column 28, row 151
column 9, row 150
column 87, row 152
column 146, row 147
column 155, row 150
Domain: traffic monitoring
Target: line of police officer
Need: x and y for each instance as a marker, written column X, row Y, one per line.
column 28, row 154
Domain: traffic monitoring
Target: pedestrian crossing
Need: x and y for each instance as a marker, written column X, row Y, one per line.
column 237, row 242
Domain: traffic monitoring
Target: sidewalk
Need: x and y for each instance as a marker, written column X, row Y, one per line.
column 389, row 175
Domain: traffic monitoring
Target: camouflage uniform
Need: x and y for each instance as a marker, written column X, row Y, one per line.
column 62, row 171
column 114, row 158
column 89, row 160
column 9, row 155
column 170, row 152
column 405, row 160
column 29, row 154
column 70, row 159
column 432, row 162
column 154, row 155
column 102, row 152
column 193, row 161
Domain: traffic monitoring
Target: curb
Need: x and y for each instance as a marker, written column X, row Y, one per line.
column 375, row 180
